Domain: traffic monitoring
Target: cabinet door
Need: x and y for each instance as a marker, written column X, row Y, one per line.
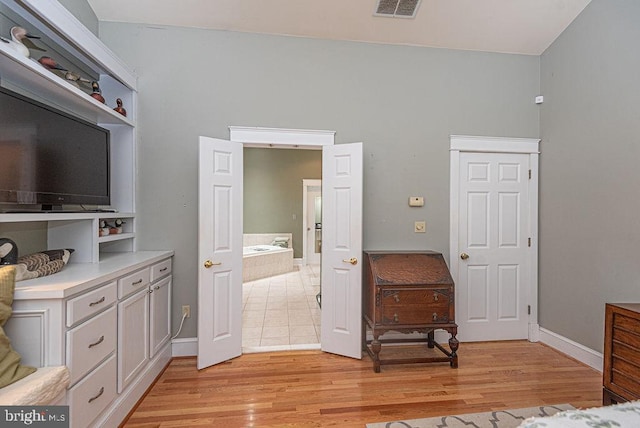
column 133, row 337
column 160, row 321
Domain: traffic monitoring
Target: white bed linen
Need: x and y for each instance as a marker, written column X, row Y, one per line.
column 37, row 389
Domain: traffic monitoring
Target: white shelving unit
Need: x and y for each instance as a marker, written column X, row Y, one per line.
column 60, row 28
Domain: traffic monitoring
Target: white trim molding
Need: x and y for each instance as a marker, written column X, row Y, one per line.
column 468, row 143
column 573, row 349
column 185, row 347
column 478, row 144
column 281, row 137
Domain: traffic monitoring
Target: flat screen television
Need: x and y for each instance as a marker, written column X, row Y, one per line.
column 49, row 157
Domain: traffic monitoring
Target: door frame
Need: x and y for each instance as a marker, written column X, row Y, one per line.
column 307, row 183
column 478, row 144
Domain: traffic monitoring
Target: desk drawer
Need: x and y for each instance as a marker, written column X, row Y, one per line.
column 82, row 307
column 416, row 296
column 90, row 343
column 160, row 269
column 133, row 282
column 93, row 394
column 415, row 314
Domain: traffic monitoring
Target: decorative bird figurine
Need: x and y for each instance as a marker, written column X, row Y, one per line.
column 97, row 93
column 119, row 108
column 75, row 77
column 50, row 63
column 8, row 252
column 20, row 41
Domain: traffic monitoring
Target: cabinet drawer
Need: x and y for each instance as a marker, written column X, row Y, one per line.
column 160, row 269
column 626, row 323
column 131, row 283
column 82, row 307
column 416, row 296
column 90, row 342
column 415, row 314
column 93, row 394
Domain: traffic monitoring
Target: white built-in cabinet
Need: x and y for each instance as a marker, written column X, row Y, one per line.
column 106, row 314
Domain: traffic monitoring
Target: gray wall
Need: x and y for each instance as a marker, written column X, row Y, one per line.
column 273, row 190
column 589, row 173
column 402, row 102
column 83, row 11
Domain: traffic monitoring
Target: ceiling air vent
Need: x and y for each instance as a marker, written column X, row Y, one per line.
column 397, row 8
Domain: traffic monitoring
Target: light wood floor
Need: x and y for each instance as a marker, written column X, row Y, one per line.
column 315, row 389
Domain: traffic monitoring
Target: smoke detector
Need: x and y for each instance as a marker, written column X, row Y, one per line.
column 397, row 8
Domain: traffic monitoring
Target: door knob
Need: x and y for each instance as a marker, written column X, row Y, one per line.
column 209, row 263
column 464, row 256
column 352, row 260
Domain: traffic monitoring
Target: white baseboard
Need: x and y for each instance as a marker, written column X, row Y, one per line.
column 187, row 347
column 573, row 349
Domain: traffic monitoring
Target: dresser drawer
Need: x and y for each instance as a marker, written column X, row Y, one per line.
column 90, row 342
column 82, row 307
column 415, row 296
column 414, row 314
column 160, row 269
column 93, row 394
column 626, row 323
column 131, row 283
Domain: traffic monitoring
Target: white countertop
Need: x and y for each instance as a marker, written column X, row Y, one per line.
column 77, row 277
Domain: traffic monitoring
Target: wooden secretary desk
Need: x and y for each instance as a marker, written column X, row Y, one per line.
column 407, row 292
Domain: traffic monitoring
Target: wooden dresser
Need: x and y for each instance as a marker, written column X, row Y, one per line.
column 407, row 292
column 621, row 372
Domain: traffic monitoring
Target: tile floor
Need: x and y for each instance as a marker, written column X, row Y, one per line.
column 281, row 312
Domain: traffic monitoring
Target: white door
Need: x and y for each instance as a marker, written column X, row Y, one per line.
column 314, row 226
column 341, row 318
column 494, row 246
column 219, row 251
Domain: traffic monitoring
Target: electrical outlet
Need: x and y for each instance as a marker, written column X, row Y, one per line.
column 420, row 227
column 186, row 310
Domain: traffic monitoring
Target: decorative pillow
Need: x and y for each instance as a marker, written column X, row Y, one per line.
column 41, row 264
column 10, row 368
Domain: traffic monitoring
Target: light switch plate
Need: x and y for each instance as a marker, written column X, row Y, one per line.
column 420, row 227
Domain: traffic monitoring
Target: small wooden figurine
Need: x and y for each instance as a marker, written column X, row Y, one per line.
column 120, row 109
column 97, row 93
column 103, row 229
column 50, row 63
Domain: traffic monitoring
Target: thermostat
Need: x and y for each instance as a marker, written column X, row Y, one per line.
column 416, row 201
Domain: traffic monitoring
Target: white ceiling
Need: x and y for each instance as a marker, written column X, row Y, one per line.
column 510, row 26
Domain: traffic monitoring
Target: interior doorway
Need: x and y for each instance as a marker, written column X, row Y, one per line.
column 220, row 240
column 281, row 285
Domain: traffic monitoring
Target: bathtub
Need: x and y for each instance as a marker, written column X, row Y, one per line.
column 262, row 261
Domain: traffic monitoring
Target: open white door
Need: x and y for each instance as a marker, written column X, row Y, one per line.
column 341, row 331
column 219, row 251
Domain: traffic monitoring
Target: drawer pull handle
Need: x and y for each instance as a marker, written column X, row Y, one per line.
column 435, row 316
column 97, row 302
column 92, row 399
column 157, row 287
column 137, row 282
column 97, row 343
column 395, row 317
column 435, row 297
column 396, row 298
column 164, row 269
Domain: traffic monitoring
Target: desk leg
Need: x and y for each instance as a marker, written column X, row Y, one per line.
column 431, row 339
column 376, row 346
column 453, row 344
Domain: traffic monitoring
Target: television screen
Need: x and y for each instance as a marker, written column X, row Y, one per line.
column 49, row 157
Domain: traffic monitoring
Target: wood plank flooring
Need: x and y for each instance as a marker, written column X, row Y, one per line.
column 315, row 389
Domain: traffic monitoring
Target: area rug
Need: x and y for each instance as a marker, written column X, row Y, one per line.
column 498, row 419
